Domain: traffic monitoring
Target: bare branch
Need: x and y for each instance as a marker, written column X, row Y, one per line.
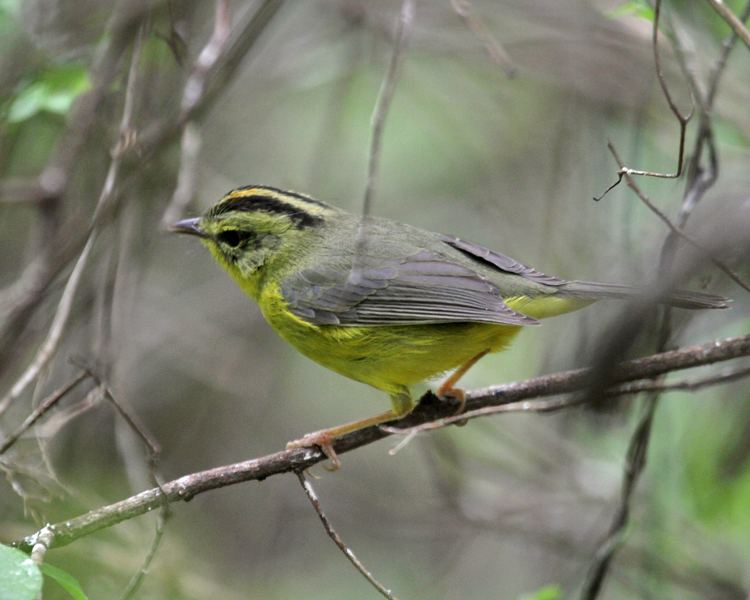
column 54, row 335
column 682, row 119
column 384, row 101
column 635, row 462
column 736, row 24
column 721, row 265
column 21, row 299
column 689, row 385
column 48, row 348
column 193, row 94
column 40, row 411
column 538, row 405
column 429, row 409
column 494, row 49
column 137, row 579
column 701, row 176
column 699, row 181
column 313, row 498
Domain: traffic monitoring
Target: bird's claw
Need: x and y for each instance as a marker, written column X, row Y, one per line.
column 454, row 396
column 324, row 441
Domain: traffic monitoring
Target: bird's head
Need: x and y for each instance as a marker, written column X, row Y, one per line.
column 251, row 226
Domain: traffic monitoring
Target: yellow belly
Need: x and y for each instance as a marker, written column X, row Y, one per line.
column 385, row 357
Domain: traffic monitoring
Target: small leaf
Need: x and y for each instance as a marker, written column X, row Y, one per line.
column 20, row 578
column 548, row 592
column 65, row 580
column 635, row 8
column 53, row 90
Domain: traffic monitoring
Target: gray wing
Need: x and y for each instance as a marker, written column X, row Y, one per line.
column 501, row 261
column 423, row 288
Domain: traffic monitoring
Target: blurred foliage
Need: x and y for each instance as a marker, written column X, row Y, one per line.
column 491, row 510
column 548, row 592
column 53, row 90
column 637, row 8
column 20, row 578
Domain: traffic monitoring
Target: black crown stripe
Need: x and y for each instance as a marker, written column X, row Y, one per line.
column 260, row 203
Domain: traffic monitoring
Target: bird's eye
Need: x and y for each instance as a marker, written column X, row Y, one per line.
column 233, row 237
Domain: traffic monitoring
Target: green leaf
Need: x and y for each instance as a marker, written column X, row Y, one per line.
column 548, row 592
column 635, row 8
column 20, row 578
column 53, row 90
column 65, row 580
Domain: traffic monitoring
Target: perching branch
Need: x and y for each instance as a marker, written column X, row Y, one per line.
column 297, row 460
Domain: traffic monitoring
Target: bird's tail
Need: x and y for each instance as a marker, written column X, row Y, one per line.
column 679, row 298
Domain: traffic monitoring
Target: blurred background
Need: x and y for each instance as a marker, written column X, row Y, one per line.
column 512, row 506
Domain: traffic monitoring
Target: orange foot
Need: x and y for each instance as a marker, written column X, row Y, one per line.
column 323, row 440
column 453, row 395
column 325, row 437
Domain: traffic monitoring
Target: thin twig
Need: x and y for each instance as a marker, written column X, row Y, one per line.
column 682, row 119
column 699, row 181
column 541, row 405
column 56, row 175
column 135, row 582
column 195, row 89
column 377, row 124
column 736, row 24
column 188, row 486
column 383, row 103
column 701, row 177
column 154, row 450
column 190, row 147
column 313, row 498
column 152, row 139
column 40, row 411
column 494, row 49
column 721, row 265
column 54, row 335
column 689, row 385
column 635, row 462
column 48, row 348
column 129, row 417
column 719, row 66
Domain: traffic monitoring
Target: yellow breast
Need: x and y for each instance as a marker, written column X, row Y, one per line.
column 385, row 357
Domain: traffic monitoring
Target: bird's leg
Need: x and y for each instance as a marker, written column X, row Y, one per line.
column 402, row 403
column 447, row 389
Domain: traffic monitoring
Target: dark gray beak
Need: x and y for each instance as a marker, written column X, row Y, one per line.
column 189, row 226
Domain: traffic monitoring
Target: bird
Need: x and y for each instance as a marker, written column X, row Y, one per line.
column 383, row 302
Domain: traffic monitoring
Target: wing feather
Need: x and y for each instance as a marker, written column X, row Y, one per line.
column 501, row 261
column 424, row 288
